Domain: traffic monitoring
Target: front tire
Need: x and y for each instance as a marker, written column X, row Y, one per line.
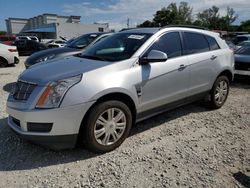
column 108, row 125
column 219, row 92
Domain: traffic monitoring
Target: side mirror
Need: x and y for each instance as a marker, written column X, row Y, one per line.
column 154, row 56
column 81, row 46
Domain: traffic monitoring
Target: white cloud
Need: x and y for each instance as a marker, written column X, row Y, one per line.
column 140, row 10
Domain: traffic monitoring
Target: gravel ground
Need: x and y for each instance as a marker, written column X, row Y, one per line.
column 187, row 147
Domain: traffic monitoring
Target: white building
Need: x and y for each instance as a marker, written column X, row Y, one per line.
column 52, row 26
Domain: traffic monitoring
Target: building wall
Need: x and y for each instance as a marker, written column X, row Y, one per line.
column 15, row 26
column 66, row 26
column 70, row 30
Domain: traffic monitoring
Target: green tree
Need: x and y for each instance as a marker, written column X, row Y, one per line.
column 2, row 32
column 229, row 18
column 210, row 18
column 245, row 26
column 172, row 14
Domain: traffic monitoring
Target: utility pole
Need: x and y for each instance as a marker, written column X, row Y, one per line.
column 128, row 23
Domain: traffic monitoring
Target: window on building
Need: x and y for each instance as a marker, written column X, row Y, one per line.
column 100, row 29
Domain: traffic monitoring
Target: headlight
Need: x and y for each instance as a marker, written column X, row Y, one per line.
column 46, row 58
column 55, row 91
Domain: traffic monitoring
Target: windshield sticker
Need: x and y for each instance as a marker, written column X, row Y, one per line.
column 138, row 37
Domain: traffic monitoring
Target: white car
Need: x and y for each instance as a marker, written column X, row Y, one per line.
column 8, row 55
column 27, row 38
column 56, row 43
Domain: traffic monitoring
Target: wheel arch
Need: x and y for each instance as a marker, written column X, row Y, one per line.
column 228, row 74
column 4, row 59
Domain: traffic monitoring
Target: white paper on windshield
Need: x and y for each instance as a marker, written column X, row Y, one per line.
column 138, row 37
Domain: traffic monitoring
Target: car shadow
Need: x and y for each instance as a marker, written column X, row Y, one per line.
column 241, row 82
column 18, row 154
column 8, row 87
column 242, row 178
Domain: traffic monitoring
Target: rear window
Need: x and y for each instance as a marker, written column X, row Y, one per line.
column 212, row 43
column 245, row 50
column 195, row 43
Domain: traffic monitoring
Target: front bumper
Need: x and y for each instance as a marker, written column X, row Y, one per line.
column 65, row 122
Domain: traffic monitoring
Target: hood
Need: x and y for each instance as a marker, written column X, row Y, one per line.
column 62, row 68
column 242, row 58
column 48, row 52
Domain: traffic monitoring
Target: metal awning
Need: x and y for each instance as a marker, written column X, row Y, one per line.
column 41, row 30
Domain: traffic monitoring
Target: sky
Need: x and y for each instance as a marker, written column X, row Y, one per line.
column 115, row 12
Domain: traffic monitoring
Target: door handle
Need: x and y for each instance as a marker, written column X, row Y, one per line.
column 213, row 57
column 182, row 67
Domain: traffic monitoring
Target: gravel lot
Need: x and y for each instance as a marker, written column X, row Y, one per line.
column 187, row 147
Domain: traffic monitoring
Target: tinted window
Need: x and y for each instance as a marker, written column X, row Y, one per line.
column 82, row 41
column 241, row 39
column 195, row 43
column 169, row 43
column 245, row 50
column 212, row 43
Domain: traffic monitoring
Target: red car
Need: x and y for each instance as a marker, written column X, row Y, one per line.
column 8, row 40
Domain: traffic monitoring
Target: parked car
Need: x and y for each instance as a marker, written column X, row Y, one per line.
column 242, row 44
column 28, row 47
column 27, row 38
column 75, row 47
column 55, row 44
column 242, row 60
column 8, row 40
column 8, row 55
column 241, row 38
column 96, row 97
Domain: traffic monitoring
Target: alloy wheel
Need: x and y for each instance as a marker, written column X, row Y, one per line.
column 221, row 92
column 110, row 126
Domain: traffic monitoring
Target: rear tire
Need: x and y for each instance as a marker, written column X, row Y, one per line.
column 3, row 62
column 219, row 92
column 108, row 124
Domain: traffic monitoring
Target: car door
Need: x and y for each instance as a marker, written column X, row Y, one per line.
column 197, row 50
column 164, row 82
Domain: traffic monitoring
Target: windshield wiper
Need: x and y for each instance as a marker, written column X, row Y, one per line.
column 93, row 57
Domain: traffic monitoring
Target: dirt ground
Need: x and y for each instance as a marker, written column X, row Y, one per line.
column 187, row 147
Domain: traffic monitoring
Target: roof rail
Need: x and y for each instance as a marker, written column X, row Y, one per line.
column 125, row 29
column 187, row 26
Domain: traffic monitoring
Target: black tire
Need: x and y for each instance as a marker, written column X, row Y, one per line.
column 3, row 62
column 88, row 129
column 214, row 103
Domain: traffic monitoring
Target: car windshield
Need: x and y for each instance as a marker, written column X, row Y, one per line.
column 117, row 47
column 245, row 50
column 82, row 41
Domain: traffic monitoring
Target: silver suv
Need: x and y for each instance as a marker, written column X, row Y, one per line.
column 96, row 97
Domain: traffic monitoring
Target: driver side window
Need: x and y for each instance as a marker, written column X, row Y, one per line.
column 169, row 43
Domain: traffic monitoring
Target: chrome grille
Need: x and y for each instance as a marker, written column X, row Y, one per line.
column 22, row 90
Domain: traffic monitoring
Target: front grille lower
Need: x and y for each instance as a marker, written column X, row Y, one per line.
column 16, row 121
column 22, row 90
column 242, row 66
